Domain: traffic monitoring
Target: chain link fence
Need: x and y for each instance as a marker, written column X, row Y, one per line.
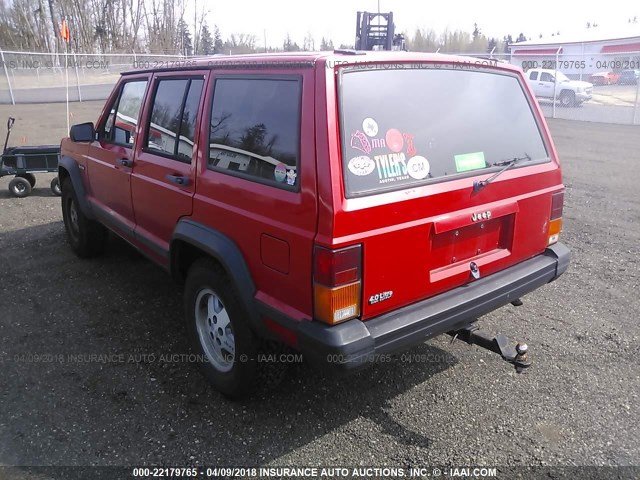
column 43, row 78
column 597, row 87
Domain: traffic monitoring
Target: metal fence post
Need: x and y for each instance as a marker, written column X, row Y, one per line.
column 555, row 82
column 6, row 73
column 635, row 108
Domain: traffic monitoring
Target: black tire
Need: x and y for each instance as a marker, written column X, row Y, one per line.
column 55, row 187
column 222, row 322
column 20, row 187
column 567, row 99
column 30, row 177
column 87, row 238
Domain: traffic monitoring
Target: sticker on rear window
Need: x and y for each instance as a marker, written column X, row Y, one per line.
column 359, row 141
column 418, row 167
column 470, row 161
column 392, row 167
column 280, row 172
column 408, row 139
column 395, row 140
column 291, row 177
column 361, row 166
column 370, row 126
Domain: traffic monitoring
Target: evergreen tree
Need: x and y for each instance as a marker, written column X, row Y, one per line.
column 326, row 45
column 418, row 43
column 185, row 45
column 476, row 32
column 217, row 40
column 206, row 46
column 493, row 43
column 290, row 46
column 507, row 41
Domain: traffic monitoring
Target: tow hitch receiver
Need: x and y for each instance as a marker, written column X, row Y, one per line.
column 499, row 344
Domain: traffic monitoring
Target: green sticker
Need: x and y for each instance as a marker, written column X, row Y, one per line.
column 470, row 161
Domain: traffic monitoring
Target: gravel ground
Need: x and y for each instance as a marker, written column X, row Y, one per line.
column 454, row 405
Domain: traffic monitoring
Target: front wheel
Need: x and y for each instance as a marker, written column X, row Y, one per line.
column 20, row 187
column 87, row 237
column 218, row 330
column 567, row 99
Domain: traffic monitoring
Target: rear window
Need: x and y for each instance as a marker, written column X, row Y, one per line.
column 406, row 126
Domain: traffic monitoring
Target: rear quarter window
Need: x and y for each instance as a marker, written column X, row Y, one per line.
column 255, row 129
column 408, row 126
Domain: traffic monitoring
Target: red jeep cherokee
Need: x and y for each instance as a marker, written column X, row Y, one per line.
column 344, row 204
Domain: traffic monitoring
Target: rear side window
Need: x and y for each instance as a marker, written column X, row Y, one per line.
column 172, row 123
column 533, row 76
column 122, row 121
column 255, row 129
column 409, row 126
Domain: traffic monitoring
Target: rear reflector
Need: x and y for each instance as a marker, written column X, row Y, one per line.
column 337, row 284
column 555, row 226
column 335, row 305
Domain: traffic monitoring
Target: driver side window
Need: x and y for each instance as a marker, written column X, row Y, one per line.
column 546, row 77
column 120, row 126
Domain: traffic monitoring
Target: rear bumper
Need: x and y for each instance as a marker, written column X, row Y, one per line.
column 355, row 343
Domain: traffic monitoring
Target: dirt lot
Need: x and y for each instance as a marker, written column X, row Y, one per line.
column 457, row 405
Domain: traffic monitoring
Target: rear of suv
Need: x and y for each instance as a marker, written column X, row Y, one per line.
column 345, row 205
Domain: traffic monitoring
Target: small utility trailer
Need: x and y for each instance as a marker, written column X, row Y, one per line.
column 23, row 162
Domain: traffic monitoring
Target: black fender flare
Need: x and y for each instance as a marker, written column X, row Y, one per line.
column 72, row 170
column 226, row 252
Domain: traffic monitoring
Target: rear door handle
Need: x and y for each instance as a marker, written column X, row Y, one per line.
column 178, row 180
column 125, row 162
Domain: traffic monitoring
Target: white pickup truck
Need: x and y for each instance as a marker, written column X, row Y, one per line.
column 568, row 92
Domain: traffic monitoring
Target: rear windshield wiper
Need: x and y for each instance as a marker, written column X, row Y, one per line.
column 506, row 164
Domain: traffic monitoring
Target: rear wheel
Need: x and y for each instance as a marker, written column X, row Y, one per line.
column 87, row 238
column 218, row 330
column 55, row 187
column 20, row 187
column 30, row 177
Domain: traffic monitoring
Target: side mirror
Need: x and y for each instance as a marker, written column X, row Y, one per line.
column 83, row 132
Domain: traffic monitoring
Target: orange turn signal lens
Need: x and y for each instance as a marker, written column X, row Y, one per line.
column 338, row 304
column 555, row 227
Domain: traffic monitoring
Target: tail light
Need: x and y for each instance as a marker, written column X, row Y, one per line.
column 555, row 223
column 337, row 283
